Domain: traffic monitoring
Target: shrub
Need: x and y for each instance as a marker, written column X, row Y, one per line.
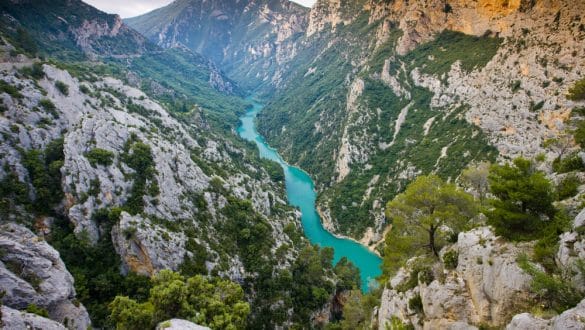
column 49, row 107
column 524, row 197
column 572, row 162
column 552, row 290
column 10, row 90
column 212, row 302
column 100, row 156
column 34, row 71
column 450, row 259
column 84, row 89
column 62, row 87
column 577, row 92
column 415, row 304
column 34, row 309
column 568, row 187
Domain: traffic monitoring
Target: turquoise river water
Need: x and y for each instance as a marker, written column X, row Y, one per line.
column 301, row 193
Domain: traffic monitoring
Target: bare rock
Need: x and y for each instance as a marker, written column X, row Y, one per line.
column 13, row 319
column 179, row 324
column 485, row 287
column 31, row 272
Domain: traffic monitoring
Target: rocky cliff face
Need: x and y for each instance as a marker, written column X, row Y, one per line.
column 501, row 80
column 32, row 273
column 485, row 287
column 252, row 41
column 59, row 32
column 108, row 116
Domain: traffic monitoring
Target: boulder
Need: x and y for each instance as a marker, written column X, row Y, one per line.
column 178, row 324
column 13, row 319
column 32, row 272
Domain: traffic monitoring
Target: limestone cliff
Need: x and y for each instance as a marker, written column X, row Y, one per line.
column 251, row 40
column 32, row 273
column 442, row 81
column 113, row 118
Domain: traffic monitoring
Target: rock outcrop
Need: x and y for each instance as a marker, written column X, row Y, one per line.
column 486, row 287
column 107, row 116
column 252, row 40
column 573, row 318
column 32, row 273
column 178, row 324
column 13, row 319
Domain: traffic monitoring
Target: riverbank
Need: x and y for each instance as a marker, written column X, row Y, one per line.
column 367, row 238
column 301, row 194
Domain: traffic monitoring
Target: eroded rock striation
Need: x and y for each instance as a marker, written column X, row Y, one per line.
column 32, row 273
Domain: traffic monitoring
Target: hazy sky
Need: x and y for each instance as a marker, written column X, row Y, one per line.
column 130, row 8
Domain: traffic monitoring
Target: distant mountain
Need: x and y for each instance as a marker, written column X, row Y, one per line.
column 63, row 27
column 251, row 40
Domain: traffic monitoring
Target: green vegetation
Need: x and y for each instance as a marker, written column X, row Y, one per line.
column 35, row 71
column 97, row 156
column 138, row 156
column 419, row 216
column 10, row 90
column 553, row 291
column 568, row 187
column 25, row 41
column 429, row 204
column 450, row 259
column 577, row 92
column 49, row 107
column 186, row 77
column 523, row 197
column 570, row 163
column 437, row 57
column 96, row 268
column 32, row 308
column 62, row 87
column 357, row 311
column 44, row 170
column 475, row 178
column 209, row 302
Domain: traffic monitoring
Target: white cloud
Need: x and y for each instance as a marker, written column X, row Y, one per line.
column 131, row 8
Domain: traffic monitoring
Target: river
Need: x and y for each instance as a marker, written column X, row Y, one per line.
column 301, row 193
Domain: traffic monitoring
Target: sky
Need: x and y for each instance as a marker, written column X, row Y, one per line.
column 131, row 8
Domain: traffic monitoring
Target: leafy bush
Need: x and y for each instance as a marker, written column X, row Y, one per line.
column 552, row 290
column 49, row 107
column 420, row 273
column 138, row 156
column 34, row 71
column 62, row 87
column 415, row 304
column 10, row 90
column 32, row 308
column 568, row 187
column 211, row 302
column 570, row 163
column 451, row 259
column 44, row 169
column 523, row 197
column 577, row 92
column 96, row 267
column 100, row 156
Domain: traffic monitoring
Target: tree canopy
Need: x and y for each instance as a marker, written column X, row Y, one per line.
column 524, row 198
column 423, row 217
column 214, row 302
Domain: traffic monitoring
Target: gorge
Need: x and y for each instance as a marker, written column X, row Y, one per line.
column 301, row 194
column 399, row 165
